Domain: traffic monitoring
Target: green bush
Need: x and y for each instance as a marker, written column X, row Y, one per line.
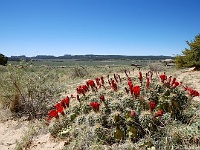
column 3, row 59
column 190, row 57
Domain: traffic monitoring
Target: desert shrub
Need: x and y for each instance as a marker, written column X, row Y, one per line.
column 29, row 90
column 3, row 59
column 190, row 57
column 156, row 67
column 123, row 110
column 79, row 71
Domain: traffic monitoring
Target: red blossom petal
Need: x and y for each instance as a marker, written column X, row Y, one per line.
column 53, row 113
column 102, row 80
column 65, row 102
column 152, row 105
column 169, row 80
column 132, row 113
column 175, row 84
column 59, row 108
column 136, row 90
column 114, row 85
column 173, row 81
column 102, row 98
column 97, row 81
column 158, row 113
column 163, row 77
column 147, row 83
column 95, row 106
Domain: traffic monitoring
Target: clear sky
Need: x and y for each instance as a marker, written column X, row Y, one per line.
column 119, row 27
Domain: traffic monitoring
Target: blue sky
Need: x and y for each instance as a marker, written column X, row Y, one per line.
column 119, row 27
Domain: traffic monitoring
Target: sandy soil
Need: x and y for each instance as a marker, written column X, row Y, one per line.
column 13, row 130
column 10, row 132
column 16, row 130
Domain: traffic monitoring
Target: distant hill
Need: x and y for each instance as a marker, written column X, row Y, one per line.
column 89, row 57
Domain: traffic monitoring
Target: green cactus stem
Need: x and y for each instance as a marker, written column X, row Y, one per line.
column 118, row 133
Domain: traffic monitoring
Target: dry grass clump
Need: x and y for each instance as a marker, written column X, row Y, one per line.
column 28, row 90
column 79, row 72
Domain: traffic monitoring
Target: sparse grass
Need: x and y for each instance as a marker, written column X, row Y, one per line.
column 26, row 139
column 28, row 90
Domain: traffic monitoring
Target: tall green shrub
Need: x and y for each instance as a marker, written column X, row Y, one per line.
column 190, row 56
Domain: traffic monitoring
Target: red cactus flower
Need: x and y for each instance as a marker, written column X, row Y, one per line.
column 150, row 73
column 152, row 105
column 65, row 102
column 53, row 113
column 95, row 106
column 114, row 85
column 132, row 113
column 80, row 90
column 140, row 76
column 130, row 84
column 97, row 81
column 169, row 80
column 163, row 77
column 158, row 113
column 60, row 108
column 85, row 88
column 193, row 92
column 147, row 83
column 173, row 81
column 90, row 83
column 102, row 98
column 175, row 84
column 136, row 90
column 102, row 80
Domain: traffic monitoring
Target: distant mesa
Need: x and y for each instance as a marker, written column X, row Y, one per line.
column 89, row 57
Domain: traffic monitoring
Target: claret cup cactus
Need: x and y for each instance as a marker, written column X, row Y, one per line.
column 121, row 108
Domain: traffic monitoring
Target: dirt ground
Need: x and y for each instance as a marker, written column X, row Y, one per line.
column 16, row 130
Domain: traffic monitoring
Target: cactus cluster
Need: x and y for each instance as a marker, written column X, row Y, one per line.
column 116, row 108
